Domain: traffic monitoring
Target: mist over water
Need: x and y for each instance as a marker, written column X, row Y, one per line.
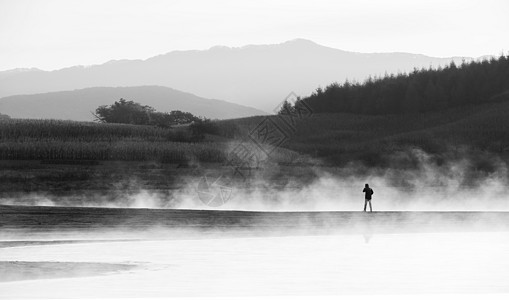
column 457, row 183
column 256, row 255
column 282, row 266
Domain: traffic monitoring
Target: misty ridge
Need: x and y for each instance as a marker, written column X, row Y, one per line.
column 78, row 104
column 258, row 76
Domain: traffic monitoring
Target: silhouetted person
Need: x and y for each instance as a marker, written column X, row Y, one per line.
column 368, row 192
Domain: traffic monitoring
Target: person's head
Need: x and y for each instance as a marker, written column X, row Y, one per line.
column 367, row 185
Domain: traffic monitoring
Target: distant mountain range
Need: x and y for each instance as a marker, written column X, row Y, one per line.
column 260, row 76
column 78, row 104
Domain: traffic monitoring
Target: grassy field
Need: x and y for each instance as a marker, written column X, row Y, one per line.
column 336, row 138
column 84, row 159
column 68, row 140
column 342, row 138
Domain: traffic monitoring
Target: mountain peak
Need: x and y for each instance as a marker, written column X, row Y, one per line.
column 294, row 42
column 219, row 48
column 255, row 75
column 300, row 41
column 21, row 70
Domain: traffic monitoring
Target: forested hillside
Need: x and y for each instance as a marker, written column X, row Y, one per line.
column 419, row 91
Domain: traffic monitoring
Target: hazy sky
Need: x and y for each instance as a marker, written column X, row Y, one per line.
column 59, row 33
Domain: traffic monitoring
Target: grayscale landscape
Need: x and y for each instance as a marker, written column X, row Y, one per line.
column 246, row 149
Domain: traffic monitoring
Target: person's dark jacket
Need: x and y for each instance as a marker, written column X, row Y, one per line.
column 368, row 192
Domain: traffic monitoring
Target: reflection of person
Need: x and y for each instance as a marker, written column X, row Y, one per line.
column 368, row 192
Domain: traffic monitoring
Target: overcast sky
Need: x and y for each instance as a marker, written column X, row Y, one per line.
column 60, row 33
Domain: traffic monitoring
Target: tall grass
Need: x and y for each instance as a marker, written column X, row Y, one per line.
column 85, row 131
column 69, row 140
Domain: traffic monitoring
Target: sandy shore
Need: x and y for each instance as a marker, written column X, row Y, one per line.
column 40, row 219
column 31, row 270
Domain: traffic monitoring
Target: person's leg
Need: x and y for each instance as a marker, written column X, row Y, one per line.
column 370, row 208
column 365, row 203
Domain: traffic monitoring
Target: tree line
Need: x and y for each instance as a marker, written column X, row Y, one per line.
column 418, row 91
column 130, row 112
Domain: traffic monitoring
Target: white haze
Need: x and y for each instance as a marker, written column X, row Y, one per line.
column 429, row 187
column 60, row 33
column 352, row 259
column 311, row 266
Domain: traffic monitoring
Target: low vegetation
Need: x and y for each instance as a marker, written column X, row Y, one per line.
column 69, row 140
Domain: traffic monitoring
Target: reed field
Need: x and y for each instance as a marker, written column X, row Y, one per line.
column 68, row 140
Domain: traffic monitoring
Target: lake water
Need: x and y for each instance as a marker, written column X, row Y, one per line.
column 380, row 264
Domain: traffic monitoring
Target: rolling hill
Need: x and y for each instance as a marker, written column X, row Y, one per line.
column 256, row 75
column 340, row 138
column 78, row 104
